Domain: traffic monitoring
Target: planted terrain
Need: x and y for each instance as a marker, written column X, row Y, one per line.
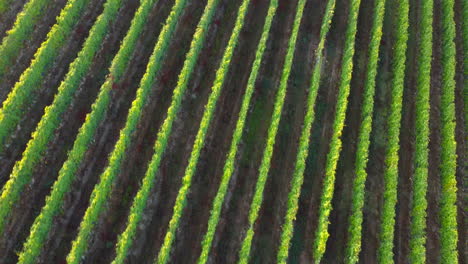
column 217, row 131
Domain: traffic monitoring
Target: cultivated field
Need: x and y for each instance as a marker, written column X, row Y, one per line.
column 222, row 131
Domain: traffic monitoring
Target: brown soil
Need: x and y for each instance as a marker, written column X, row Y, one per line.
column 8, row 18
column 210, row 166
column 271, row 216
column 433, row 192
column 107, row 135
column 376, row 163
column 44, row 95
column 305, row 225
column 28, row 208
column 115, row 219
column 345, row 173
column 42, row 28
column 407, row 134
column 184, row 130
column 233, row 223
column 462, row 147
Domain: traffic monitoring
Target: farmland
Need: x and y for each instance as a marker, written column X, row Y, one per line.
column 218, row 131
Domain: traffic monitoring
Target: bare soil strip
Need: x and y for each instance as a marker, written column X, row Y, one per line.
column 187, row 246
column 33, row 199
column 161, row 202
column 16, row 144
column 39, row 34
column 271, row 216
column 345, row 174
column 7, row 19
column 375, row 168
column 306, row 222
column 407, row 140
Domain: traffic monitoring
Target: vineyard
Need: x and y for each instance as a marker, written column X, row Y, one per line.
column 220, row 131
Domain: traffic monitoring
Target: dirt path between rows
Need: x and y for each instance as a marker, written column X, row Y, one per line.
column 407, row 138
column 42, row 28
column 8, row 18
column 461, row 138
column 129, row 181
column 345, row 172
column 31, row 203
column 271, row 216
column 211, row 163
column 305, row 225
column 44, row 95
column 159, row 209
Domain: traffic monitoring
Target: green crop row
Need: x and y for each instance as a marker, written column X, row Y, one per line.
column 257, row 200
column 303, row 149
column 237, row 135
column 362, row 152
column 102, row 189
column 44, row 132
column 126, row 239
column 139, row 202
column 23, row 169
column 210, row 107
column 448, row 157
column 62, row 185
column 385, row 251
column 335, row 143
column 16, row 37
column 421, row 155
column 30, row 80
column 4, row 5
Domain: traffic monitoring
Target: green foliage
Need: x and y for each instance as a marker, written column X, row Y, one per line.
column 448, row 158
column 210, row 107
column 303, row 149
column 16, row 37
column 22, row 170
column 45, row 130
column 30, row 80
column 244, row 253
column 237, row 135
column 421, row 155
column 139, row 202
column 147, row 82
column 102, row 189
column 362, row 152
column 385, row 253
column 4, row 5
column 53, row 204
column 335, row 143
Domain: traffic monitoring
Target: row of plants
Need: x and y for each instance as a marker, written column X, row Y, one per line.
column 16, row 37
column 422, row 130
column 387, row 223
column 237, row 135
column 448, row 156
column 22, row 95
column 338, row 124
column 4, row 4
column 257, row 200
column 362, row 153
column 126, row 239
column 102, row 189
column 210, row 107
column 139, row 202
column 303, row 148
column 42, row 136
column 62, row 185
